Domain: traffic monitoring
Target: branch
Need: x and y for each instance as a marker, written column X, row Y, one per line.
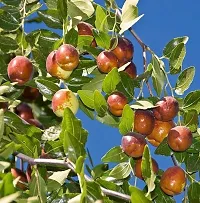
column 174, row 160
column 68, row 165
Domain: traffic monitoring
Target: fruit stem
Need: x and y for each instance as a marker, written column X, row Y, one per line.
column 69, row 165
column 169, row 84
column 174, row 160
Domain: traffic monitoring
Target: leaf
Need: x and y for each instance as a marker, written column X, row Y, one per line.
column 84, row 41
column 180, row 156
column 115, row 155
column 4, row 165
column 193, row 192
column 193, row 163
column 98, row 170
column 10, row 198
column 72, row 37
column 121, row 171
column 167, row 51
column 7, row 44
column 126, row 122
column 163, row 148
column 87, row 97
column 100, row 104
column 101, row 23
column 82, row 8
column 89, row 112
column 12, row 2
column 142, row 104
column 190, row 119
column 74, row 137
column 93, row 192
column 184, row 80
column 46, row 87
column 158, row 76
column 195, row 147
column 102, row 39
column 1, row 123
column 111, row 80
column 176, row 58
column 138, row 195
column 62, row 8
column 191, row 101
column 51, row 4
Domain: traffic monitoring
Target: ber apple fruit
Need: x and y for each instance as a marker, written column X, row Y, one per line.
column 62, row 99
column 133, row 144
column 67, row 57
column 106, row 61
column 131, row 70
column 116, row 102
column 166, row 109
column 30, row 93
column 35, row 122
column 20, row 70
column 24, row 111
column 173, row 180
column 179, row 138
column 160, row 131
column 54, row 69
column 19, row 173
column 144, row 122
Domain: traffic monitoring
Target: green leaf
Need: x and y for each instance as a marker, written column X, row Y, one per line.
column 100, row 104
column 93, row 192
column 82, row 8
column 87, row 97
column 50, row 18
column 84, row 41
column 180, row 156
column 7, row 150
column 115, row 155
column 7, row 44
column 72, row 37
column 51, row 4
column 126, row 122
column 163, row 148
column 102, row 39
column 129, row 16
column 138, row 195
column 111, row 80
column 46, row 87
column 195, row 147
column 184, row 80
column 1, row 123
column 10, row 198
column 89, row 112
column 191, row 101
column 62, row 8
column 95, row 84
column 33, row 8
column 38, row 187
column 193, row 192
column 74, row 137
column 12, row 2
column 98, row 170
column 121, row 171
column 4, row 165
column 176, row 58
column 190, row 119
column 142, row 104
column 167, row 51
column 101, row 23
column 193, row 162
column 158, row 75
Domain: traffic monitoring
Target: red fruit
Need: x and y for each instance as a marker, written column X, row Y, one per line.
column 166, row 109
column 106, row 61
column 54, row 69
column 20, row 70
column 160, row 131
column 144, row 122
column 179, row 138
column 4, row 106
column 124, row 49
column 35, row 123
column 62, row 99
column 138, row 168
column 116, row 102
column 173, row 180
column 30, row 93
column 24, row 111
column 67, row 57
column 86, row 29
column 16, row 173
column 133, row 144
column 131, row 70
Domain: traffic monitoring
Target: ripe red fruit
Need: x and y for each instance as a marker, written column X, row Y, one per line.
column 20, row 70
column 86, row 29
column 160, row 131
column 67, row 57
column 4, row 106
column 133, row 144
column 131, row 70
column 116, row 102
column 106, row 61
column 54, row 69
column 16, row 173
column 179, row 138
column 138, row 168
column 36, row 123
column 30, row 93
column 173, row 181
column 124, row 49
column 144, row 122
column 24, row 111
column 62, row 99
column 166, row 109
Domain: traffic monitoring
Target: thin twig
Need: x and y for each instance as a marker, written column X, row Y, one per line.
column 174, row 160
column 69, row 165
